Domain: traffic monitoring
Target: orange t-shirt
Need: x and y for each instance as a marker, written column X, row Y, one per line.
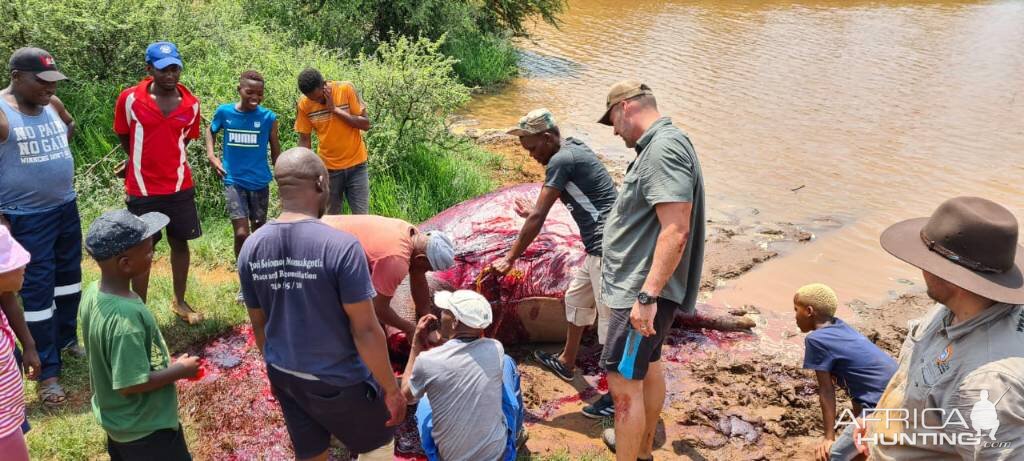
column 341, row 145
column 387, row 243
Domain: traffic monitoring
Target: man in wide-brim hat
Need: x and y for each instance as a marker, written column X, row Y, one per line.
column 966, row 356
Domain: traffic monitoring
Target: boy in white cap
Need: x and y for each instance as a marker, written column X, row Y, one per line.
column 475, row 407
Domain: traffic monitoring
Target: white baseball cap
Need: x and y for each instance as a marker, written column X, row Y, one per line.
column 469, row 307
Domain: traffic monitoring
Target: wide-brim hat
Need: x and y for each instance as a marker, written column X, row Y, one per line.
column 970, row 242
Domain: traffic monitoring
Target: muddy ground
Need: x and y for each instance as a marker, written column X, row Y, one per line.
column 726, row 400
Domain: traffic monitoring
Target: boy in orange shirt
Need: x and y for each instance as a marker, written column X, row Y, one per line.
column 338, row 115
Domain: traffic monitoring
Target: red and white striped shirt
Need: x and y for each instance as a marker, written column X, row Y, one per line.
column 12, row 396
column 157, row 164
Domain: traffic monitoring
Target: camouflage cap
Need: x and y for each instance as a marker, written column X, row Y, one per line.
column 620, row 92
column 537, row 121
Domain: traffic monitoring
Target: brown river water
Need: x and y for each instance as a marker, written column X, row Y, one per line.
column 880, row 110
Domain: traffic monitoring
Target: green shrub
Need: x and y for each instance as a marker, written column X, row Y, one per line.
column 483, row 59
column 410, row 90
column 409, row 86
column 93, row 40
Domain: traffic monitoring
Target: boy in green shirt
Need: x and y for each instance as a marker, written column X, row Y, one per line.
column 130, row 371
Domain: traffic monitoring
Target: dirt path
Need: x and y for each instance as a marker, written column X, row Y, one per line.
column 725, row 399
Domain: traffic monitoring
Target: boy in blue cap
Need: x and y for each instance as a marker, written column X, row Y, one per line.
column 130, row 371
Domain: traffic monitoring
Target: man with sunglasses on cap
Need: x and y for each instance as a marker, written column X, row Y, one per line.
column 961, row 368
column 155, row 120
column 38, row 202
column 652, row 254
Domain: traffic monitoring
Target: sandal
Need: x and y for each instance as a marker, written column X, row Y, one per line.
column 551, row 362
column 74, row 349
column 523, row 437
column 187, row 314
column 52, row 395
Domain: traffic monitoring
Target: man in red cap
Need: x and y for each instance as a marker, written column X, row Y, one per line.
column 38, row 202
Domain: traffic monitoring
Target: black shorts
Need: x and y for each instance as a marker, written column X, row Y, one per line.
column 162, row 445
column 247, row 204
column 626, row 351
column 180, row 207
column 315, row 410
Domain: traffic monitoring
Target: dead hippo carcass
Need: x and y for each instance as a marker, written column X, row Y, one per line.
column 527, row 301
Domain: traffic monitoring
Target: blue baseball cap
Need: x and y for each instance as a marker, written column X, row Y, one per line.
column 163, row 54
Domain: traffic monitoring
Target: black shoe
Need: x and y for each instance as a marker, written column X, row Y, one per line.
column 602, row 408
column 551, row 362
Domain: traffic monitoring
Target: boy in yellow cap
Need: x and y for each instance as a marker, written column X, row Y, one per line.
column 838, row 354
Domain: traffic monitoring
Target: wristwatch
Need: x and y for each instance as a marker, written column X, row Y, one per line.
column 646, row 299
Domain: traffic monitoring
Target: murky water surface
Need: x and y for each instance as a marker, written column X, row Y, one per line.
column 874, row 111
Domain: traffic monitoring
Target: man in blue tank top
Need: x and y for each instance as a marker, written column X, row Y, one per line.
column 37, row 202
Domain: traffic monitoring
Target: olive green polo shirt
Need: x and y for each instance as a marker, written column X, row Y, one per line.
column 976, row 368
column 665, row 170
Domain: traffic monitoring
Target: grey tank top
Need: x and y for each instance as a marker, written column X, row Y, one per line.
column 36, row 168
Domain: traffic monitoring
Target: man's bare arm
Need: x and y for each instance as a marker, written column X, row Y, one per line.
column 420, row 290
column 64, row 115
column 259, row 325
column 532, row 226
column 373, row 349
column 674, row 218
column 382, row 307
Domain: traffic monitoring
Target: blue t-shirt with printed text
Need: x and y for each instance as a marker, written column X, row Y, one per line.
column 246, row 139
column 859, row 366
column 300, row 273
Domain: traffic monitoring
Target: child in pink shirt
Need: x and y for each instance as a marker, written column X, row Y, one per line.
column 13, row 259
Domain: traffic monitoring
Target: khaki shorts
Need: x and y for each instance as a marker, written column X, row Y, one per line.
column 582, row 304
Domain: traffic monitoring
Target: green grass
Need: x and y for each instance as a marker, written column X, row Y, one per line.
column 72, row 433
column 484, row 60
column 424, row 185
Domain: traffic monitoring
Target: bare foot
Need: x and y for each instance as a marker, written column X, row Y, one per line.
column 186, row 313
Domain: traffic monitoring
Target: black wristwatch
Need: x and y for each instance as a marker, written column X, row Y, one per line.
column 646, row 299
